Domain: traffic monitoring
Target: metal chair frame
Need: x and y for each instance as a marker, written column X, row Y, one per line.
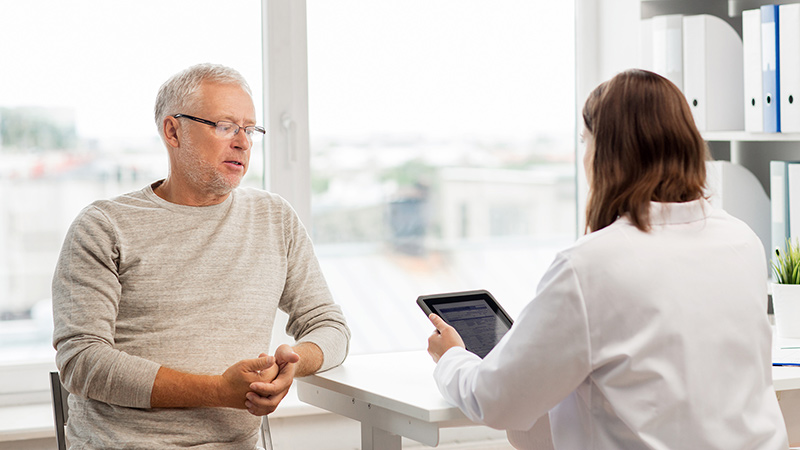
column 60, row 409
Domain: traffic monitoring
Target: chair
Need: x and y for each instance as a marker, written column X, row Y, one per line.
column 266, row 436
column 60, row 409
column 61, row 414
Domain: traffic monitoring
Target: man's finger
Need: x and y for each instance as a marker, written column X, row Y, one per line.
column 261, row 363
column 261, row 405
column 268, row 389
column 263, row 389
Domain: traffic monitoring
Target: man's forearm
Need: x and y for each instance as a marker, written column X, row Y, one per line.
column 311, row 358
column 173, row 389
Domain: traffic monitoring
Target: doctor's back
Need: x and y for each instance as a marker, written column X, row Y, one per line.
column 650, row 332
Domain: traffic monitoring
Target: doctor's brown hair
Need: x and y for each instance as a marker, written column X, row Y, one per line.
column 646, row 148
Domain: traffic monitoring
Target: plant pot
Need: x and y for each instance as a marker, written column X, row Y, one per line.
column 786, row 306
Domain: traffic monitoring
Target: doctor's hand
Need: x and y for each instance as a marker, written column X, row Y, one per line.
column 264, row 397
column 443, row 339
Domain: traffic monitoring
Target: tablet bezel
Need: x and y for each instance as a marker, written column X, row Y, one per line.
column 427, row 302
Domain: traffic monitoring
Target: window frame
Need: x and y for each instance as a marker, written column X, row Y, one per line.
column 286, row 171
column 285, row 59
column 286, row 148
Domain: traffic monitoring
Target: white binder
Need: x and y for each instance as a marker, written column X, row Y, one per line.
column 793, row 200
column 785, row 203
column 668, row 47
column 735, row 189
column 789, row 48
column 751, row 44
column 779, row 204
column 713, row 82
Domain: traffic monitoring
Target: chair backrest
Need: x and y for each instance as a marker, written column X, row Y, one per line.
column 60, row 409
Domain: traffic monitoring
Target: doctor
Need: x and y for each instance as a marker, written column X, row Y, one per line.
column 651, row 331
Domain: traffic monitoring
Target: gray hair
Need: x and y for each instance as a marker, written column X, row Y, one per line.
column 179, row 93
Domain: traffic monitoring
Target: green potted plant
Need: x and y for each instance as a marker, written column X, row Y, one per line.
column 786, row 290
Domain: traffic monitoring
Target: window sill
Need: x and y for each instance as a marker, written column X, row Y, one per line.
column 35, row 421
column 19, row 423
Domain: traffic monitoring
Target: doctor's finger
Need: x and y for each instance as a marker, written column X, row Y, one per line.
column 440, row 324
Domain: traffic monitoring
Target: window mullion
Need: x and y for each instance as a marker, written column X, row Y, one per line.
column 286, row 103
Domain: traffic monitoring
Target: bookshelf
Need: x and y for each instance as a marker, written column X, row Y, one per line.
column 735, row 7
column 752, row 150
column 730, row 8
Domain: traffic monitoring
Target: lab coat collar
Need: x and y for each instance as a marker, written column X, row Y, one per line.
column 676, row 213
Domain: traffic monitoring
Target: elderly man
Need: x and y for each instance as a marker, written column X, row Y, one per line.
column 164, row 298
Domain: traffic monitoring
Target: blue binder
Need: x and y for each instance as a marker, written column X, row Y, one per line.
column 770, row 66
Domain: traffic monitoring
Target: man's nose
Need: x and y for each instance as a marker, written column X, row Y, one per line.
column 240, row 140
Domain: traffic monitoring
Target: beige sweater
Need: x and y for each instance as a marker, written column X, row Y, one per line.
column 142, row 283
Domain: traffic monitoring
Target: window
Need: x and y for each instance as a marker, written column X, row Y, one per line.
column 76, row 124
column 442, row 153
column 442, row 144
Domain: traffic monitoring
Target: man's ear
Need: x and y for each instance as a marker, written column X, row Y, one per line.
column 171, row 131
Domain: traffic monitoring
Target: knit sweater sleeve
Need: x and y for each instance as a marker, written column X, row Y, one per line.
column 86, row 294
column 313, row 315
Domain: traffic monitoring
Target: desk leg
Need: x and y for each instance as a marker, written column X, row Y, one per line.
column 376, row 439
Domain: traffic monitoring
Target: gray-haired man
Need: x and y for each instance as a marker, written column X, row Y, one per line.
column 164, row 298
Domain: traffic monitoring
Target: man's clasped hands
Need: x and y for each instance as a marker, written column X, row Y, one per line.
column 260, row 384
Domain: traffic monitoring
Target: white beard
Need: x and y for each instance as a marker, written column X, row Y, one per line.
column 202, row 174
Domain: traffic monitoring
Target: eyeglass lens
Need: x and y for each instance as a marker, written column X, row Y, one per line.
column 228, row 130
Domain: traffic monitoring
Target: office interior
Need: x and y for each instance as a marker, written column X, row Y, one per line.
column 428, row 146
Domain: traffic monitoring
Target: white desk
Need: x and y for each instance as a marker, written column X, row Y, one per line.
column 391, row 394
column 786, row 378
column 394, row 395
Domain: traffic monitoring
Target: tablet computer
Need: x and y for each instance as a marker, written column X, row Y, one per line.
column 476, row 315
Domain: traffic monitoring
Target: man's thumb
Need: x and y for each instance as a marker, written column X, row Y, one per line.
column 286, row 354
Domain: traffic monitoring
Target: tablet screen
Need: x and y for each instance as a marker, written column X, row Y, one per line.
column 476, row 316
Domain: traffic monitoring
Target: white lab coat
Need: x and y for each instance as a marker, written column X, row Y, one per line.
column 635, row 340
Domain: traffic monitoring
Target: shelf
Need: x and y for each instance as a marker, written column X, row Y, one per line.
column 744, row 136
column 735, row 7
column 719, row 8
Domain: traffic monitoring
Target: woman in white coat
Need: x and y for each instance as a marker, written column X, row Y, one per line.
column 651, row 331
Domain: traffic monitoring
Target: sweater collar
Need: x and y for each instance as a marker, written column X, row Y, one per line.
column 219, row 208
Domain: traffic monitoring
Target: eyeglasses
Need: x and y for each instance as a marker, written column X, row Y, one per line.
column 227, row 130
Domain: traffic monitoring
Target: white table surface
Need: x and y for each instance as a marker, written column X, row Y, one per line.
column 388, row 392
column 786, row 378
column 393, row 395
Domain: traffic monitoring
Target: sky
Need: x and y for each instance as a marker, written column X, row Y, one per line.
column 464, row 66
column 450, row 67
column 107, row 59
